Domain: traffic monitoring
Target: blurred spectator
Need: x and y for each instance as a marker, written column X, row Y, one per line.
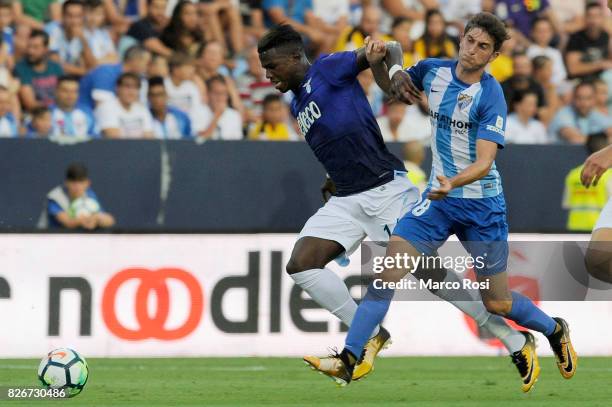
column 400, row 31
column 9, row 125
column 602, row 97
column 353, row 37
column 74, row 204
column 435, row 42
column 543, row 73
column 414, row 155
column 67, row 40
column 125, row 116
column 68, row 119
column 570, row 14
column 404, row 123
column 457, row 12
column 168, row 121
column 522, row 80
column 225, row 123
column 6, row 27
column 253, row 86
column 521, row 14
column 333, row 14
column 587, row 51
column 222, row 17
column 98, row 36
column 33, row 13
column 574, row 124
column 374, row 94
column 99, row 84
column 298, row 14
column 501, row 67
column 252, row 15
column 183, row 92
column 183, row 32
column 121, row 13
column 522, row 127
column 585, row 204
column 148, row 29
column 41, row 124
column 412, row 9
column 273, row 126
column 542, row 35
column 37, row 73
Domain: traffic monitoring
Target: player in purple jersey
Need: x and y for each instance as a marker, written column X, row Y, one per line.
column 373, row 191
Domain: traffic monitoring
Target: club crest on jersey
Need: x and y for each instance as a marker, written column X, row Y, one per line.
column 307, row 86
column 464, row 101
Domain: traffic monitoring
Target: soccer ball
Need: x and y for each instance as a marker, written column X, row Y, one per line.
column 64, row 368
column 83, row 206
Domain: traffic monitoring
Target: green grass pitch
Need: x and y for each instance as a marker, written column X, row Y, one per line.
column 418, row 381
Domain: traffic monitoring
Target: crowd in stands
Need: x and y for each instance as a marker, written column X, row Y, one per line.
column 172, row 69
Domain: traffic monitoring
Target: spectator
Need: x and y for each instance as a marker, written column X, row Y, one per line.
column 183, row 34
column 6, row 26
column 501, row 67
column 403, row 123
column 575, row 123
column 353, row 37
column 542, row 72
column 121, row 13
column 273, row 126
column 253, row 86
column 98, row 36
column 457, row 12
column 522, row 80
column 67, row 40
column 521, row 15
column 222, row 17
column 298, row 14
column 125, row 117
column 252, row 15
column 587, row 52
column 183, row 92
column 9, row 125
column 99, row 85
column 74, row 205
column 41, row 124
column 225, row 123
column 414, row 155
column 68, row 119
column 168, row 121
column 570, row 14
column 542, row 34
column 585, row 204
column 33, row 14
column 37, row 73
column 435, row 42
column 522, row 127
column 400, row 31
column 333, row 14
column 148, row 29
column 373, row 93
column 602, row 97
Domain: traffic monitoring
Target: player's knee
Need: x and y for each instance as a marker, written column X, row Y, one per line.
column 598, row 264
column 297, row 264
column 498, row 307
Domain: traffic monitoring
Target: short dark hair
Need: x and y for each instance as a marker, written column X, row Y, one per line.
column 69, row 3
column 596, row 142
column 400, row 20
column 591, row 4
column 134, row 52
column 539, row 61
column 128, row 76
column 91, row 4
column 40, row 33
column 271, row 98
column 39, row 111
column 68, row 78
column 156, row 81
column 281, row 36
column 179, row 59
column 492, row 25
column 6, row 4
column 539, row 20
column 518, row 97
column 585, row 83
column 215, row 78
column 77, row 172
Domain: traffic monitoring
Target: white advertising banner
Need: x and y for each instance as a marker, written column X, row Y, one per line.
column 212, row 295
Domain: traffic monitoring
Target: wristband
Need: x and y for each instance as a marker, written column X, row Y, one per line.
column 394, row 69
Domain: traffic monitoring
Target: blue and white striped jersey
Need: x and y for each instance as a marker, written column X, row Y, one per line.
column 460, row 114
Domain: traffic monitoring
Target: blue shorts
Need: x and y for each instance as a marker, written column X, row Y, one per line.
column 480, row 224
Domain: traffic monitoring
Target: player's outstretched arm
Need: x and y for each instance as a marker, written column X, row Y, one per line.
column 485, row 156
column 595, row 166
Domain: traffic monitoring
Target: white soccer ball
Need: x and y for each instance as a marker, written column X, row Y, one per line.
column 64, row 368
column 83, row 206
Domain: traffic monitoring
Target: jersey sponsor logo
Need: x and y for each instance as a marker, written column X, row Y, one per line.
column 446, row 122
column 308, row 116
column 464, row 100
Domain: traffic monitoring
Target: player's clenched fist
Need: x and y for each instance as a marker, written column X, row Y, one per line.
column 375, row 50
column 595, row 166
column 403, row 89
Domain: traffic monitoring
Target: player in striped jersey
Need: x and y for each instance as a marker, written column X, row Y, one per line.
column 464, row 195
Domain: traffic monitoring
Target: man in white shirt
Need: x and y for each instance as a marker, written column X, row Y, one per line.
column 404, row 123
column 223, row 123
column 183, row 92
column 522, row 127
column 125, row 117
column 542, row 33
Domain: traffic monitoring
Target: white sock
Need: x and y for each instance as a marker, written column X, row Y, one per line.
column 328, row 290
column 470, row 302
